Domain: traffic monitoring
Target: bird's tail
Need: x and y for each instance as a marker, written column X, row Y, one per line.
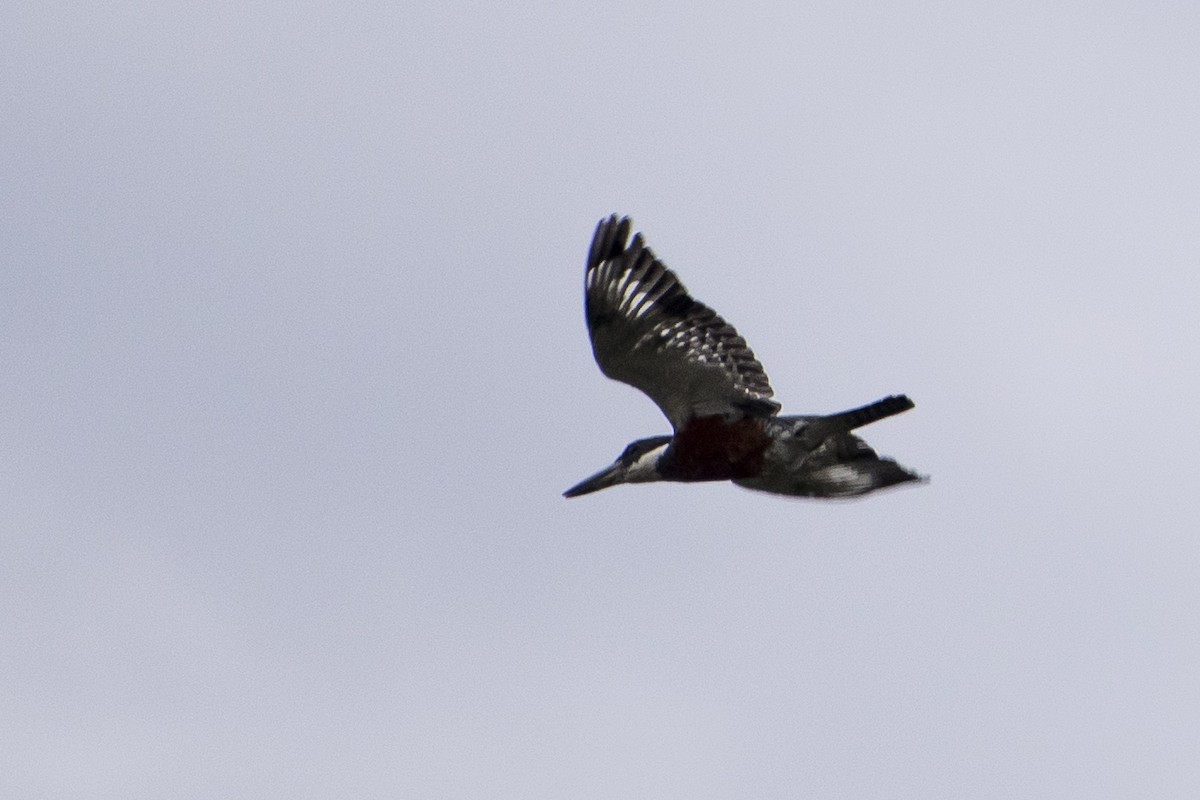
column 872, row 412
column 822, row 428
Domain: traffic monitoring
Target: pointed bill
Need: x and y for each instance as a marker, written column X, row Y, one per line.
column 609, row 476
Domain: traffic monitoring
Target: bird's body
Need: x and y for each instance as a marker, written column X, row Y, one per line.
column 648, row 332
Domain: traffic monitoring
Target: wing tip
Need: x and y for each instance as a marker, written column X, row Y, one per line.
column 609, row 240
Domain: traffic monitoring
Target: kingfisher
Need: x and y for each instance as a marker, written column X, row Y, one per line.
column 648, row 332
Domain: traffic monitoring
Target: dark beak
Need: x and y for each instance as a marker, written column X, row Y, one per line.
column 609, row 476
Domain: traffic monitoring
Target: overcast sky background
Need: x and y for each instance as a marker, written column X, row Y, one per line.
column 293, row 370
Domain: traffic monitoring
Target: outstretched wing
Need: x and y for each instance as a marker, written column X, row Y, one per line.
column 649, row 333
column 846, row 466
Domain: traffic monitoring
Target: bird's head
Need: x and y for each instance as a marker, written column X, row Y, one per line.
column 637, row 464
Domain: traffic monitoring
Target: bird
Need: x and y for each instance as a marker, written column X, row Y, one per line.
column 648, row 332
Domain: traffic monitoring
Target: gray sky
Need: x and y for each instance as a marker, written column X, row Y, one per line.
column 294, row 370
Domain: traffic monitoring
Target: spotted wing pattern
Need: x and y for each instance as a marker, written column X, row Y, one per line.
column 649, row 333
column 841, row 466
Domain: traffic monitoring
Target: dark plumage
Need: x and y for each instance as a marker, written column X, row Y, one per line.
column 648, row 332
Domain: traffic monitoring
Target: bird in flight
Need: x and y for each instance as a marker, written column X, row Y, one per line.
column 648, row 332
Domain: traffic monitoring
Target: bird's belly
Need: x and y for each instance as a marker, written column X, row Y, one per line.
column 717, row 449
